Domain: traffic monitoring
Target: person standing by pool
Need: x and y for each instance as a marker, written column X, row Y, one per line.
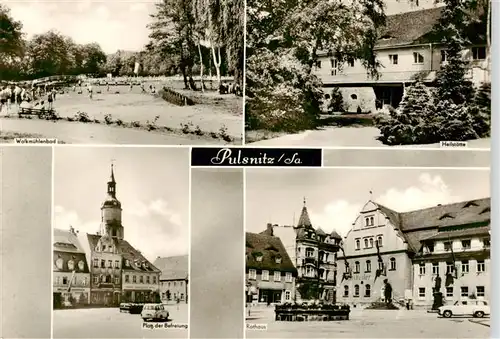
column 90, row 91
column 50, row 99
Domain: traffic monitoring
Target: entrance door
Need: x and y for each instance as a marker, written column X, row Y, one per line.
column 277, row 297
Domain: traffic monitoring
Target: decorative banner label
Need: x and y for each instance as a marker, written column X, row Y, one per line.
column 252, row 157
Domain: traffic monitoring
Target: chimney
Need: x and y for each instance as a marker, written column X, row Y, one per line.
column 269, row 230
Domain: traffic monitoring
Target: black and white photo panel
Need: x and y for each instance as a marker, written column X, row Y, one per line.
column 368, row 253
column 121, row 72
column 120, row 246
column 368, row 73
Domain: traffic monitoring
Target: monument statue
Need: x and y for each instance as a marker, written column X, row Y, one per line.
column 387, row 291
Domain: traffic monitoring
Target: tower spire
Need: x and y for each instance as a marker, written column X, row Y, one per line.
column 304, row 220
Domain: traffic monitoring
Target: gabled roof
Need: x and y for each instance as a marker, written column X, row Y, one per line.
column 335, row 235
column 459, row 233
column 269, row 248
column 66, row 257
column 128, row 252
column 418, row 225
column 319, row 231
column 409, row 28
column 173, row 268
column 66, row 241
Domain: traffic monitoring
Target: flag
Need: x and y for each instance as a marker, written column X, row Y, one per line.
column 347, row 274
column 453, row 273
column 382, row 270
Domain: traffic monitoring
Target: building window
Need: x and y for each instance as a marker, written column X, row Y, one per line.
column 480, row 266
column 110, row 263
column 65, row 280
column 368, row 291
column 393, row 59
column 368, row 266
column 175, row 283
column 84, row 281
column 127, row 278
column 447, row 245
column 466, row 244
column 478, row 53
column 379, row 241
column 318, row 64
column 464, row 291
column 430, row 247
column 309, row 252
column 346, row 291
column 486, row 243
column 103, row 263
column 356, row 267
column 58, row 280
column 418, row 58
column 421, row 268
column 71, row 265
column 421, row 292
column 350, row 62
column 372, row 223
column 449, row 267
column 154, row 280
column 444, row 56
column 117, row 280
column 127, row 263
column 277, row 276
column 465, row 266
column 252, row 274
column 449, row 292
column 366, row 243
column 371, row 242
column 358, row 244
column 435, row 268
column 265, row 275
column 380, row 265
column 480, row 291
column 288, row 295
column 96, row 279
column 288, row 277
column 356, row 290
column 134, row 279
column 147, row 279
column 393, row 264
column 117, row 264
column 180, row 283
column 96, row 263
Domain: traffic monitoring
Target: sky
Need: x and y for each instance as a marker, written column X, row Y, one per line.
column 335, row 196
column 152, row 185
column 114, row 24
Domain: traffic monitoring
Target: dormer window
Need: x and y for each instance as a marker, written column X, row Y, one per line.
column 278, row 260
column 71, row 265
column 447, row 245
column 470, row 203
column 258, row 258
column 466, row 244
column 386, row 37
column 81, row 265
column 446, row 216
column 59, row 263
column 486, row 210
column 127, row 263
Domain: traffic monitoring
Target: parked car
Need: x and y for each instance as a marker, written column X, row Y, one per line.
column 154, row 312
column 136, row 308
column 125, row 307
column 475, row 308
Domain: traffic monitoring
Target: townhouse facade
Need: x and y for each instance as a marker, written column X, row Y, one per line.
column 406, row 50
column 412, row 249
column 174, row 278
column 270, row 274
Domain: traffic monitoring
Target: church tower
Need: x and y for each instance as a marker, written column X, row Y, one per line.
column 111, row 212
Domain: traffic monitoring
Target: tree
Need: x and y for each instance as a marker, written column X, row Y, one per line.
column 11, row 44
column 49, row 54
column 451, row 78
column 172, row 35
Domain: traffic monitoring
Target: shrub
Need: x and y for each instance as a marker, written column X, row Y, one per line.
column 82, row 117
column 223, row 134
column 135, row 124
column 108, row 119
column 336, row 102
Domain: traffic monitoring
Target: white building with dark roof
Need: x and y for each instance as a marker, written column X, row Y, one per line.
column 407, row 49
column 174, row 278
column 71, row 276
column 413, row 249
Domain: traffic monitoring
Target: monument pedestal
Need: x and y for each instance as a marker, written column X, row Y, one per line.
column 438, row 300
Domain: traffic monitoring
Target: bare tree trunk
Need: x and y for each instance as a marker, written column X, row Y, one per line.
column 217, row 63
column 201, row 68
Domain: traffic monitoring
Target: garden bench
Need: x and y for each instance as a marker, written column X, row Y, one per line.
column 40, row 112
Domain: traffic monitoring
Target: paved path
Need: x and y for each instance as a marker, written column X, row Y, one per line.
column 344, row 137
column 81, row 133
column 370, row 324
column 110, row 323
